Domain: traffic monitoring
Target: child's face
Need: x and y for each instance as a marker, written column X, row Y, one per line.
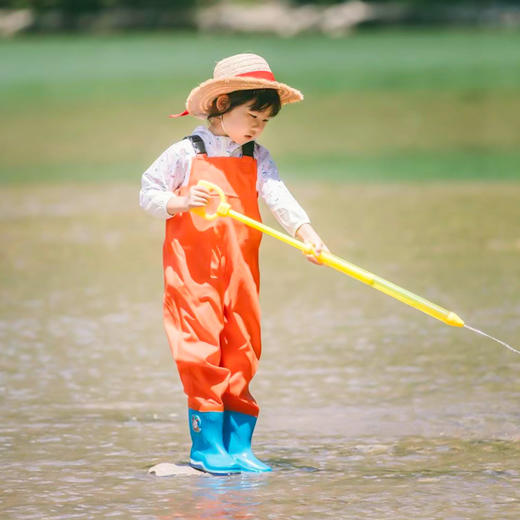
column 243, row 124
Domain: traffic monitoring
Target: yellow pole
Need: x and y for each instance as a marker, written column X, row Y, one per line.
column 436, row 311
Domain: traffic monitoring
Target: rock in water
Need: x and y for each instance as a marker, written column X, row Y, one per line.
column 165, row 469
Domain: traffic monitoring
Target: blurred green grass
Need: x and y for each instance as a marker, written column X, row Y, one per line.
column 380, row 105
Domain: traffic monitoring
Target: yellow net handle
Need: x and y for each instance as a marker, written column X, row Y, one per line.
column 222, row 208
column 389, row 288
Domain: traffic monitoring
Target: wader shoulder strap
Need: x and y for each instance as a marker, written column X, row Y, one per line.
column 248, row 149
column 197, row 143
column 200, row 148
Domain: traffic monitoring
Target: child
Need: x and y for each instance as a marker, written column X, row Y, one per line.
column 211, row 304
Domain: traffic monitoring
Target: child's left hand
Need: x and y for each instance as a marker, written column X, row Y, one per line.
column 307, row 234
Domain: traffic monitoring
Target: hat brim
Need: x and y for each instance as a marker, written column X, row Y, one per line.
column 201, row 98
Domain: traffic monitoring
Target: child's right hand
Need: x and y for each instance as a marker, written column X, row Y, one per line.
column 197, row 197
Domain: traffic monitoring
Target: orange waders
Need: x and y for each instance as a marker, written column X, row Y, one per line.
column 211, row 304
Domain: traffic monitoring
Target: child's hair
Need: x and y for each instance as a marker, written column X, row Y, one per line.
column 262, row 98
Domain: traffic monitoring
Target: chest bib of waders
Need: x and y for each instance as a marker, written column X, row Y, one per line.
column 211, row 307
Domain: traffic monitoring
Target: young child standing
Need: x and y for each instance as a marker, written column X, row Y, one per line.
column 211, row 277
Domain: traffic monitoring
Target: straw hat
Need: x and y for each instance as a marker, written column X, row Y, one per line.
column 238, row 72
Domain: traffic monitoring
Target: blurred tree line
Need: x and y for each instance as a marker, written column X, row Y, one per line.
column 96, row 5
column 106, row 15
column 476, row 3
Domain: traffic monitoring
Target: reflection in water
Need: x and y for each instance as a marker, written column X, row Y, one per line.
column 234, row 497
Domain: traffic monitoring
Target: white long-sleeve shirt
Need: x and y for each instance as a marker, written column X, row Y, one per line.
column 171, row 170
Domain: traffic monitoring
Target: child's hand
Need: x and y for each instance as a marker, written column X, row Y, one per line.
column 197, row 197
column 317, row 250
column 307, row 234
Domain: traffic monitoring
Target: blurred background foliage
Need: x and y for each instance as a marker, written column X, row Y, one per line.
column 81, row 5
column 391, row 101
column 285, row 17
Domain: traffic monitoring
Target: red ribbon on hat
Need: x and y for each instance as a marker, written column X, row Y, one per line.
column 180, row 114
column 260, row 74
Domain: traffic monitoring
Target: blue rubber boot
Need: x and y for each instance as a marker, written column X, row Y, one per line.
column 238, row 431
column 207, row 452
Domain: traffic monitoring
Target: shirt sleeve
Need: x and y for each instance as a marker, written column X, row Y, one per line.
column 289, row 214
column 167, row 173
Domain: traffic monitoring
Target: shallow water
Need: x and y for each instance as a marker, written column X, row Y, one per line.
column 496, row 340
column 370, row 409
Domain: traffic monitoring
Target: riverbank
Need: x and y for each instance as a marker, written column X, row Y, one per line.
column 379, row 106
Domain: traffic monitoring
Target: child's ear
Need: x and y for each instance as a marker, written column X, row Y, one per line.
column 223, row 102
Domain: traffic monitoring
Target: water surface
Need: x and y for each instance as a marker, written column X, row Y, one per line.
column 369, row 409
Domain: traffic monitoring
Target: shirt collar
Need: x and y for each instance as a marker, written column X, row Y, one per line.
column 220, row 144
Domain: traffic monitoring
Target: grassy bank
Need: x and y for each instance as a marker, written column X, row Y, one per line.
column 379, row 106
